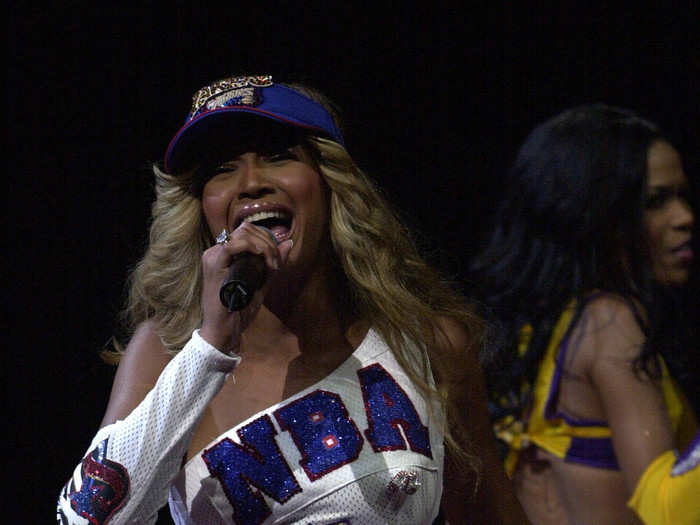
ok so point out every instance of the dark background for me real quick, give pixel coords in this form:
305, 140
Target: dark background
436, 100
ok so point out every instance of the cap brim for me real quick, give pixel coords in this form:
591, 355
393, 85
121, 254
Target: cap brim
226, 133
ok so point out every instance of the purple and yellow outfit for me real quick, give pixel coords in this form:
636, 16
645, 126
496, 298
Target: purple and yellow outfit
667, 491
586, 442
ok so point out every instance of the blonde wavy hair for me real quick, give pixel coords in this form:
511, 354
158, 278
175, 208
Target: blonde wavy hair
389, 284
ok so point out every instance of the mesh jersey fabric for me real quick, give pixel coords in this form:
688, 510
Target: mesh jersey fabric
361, 446
126, 473
575, 440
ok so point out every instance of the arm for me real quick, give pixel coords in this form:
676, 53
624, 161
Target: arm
494, 500
125, 476
130, 463
632, 402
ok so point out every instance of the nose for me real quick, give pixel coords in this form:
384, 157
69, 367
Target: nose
253, 183
683, 217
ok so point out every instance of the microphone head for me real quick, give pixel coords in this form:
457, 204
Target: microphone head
235, 296
246, 275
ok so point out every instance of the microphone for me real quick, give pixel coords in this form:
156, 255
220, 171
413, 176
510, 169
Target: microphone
246, 276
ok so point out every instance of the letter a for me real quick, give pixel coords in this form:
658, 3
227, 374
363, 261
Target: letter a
388, 408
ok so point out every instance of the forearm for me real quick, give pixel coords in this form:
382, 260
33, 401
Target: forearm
125, 475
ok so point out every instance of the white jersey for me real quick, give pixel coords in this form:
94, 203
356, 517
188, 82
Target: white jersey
359, 447
127, 470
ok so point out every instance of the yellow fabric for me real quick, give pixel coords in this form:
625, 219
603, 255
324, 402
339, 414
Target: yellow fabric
683, 420
661, 499
555, 435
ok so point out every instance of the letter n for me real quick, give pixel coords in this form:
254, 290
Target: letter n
256, 462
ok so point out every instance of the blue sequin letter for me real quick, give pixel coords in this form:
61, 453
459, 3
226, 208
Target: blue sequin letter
323, 432
256, 462
388, 407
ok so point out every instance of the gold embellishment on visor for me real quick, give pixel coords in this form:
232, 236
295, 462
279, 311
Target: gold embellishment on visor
234, 87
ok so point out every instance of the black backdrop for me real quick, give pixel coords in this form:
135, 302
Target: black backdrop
436, 100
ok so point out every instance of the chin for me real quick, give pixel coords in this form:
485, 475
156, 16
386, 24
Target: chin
674, 278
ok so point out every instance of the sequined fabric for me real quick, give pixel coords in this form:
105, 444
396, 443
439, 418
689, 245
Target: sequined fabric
357, 447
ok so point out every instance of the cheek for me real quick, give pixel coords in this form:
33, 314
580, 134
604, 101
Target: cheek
312, 194
655, 236
320, 204
655, 230
215, 209
655, 239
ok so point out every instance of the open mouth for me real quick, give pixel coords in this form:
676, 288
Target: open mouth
684, 251
279, 222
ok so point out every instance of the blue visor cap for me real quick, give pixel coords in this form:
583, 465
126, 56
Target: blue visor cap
225, 114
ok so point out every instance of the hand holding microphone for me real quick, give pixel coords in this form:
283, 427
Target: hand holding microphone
246, 275
235, 269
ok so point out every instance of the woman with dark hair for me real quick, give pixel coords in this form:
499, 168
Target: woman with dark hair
593, 235
273, 257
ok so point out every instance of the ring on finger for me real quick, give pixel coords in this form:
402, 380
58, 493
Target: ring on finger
223, 237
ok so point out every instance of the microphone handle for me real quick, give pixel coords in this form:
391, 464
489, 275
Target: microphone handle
246, 275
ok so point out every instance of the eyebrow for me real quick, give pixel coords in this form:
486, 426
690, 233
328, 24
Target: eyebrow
680, 185
665, 190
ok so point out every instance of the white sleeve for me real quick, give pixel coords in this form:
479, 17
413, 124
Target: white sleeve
126, 473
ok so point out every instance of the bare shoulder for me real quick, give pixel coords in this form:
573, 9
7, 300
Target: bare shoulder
460, 370
139, 368
632, 401
456, 332
494, 500
609, 328
460, 346
610, 309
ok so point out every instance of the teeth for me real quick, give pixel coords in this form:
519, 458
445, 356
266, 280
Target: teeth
262, 215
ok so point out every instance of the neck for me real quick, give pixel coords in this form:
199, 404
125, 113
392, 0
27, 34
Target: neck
309, 313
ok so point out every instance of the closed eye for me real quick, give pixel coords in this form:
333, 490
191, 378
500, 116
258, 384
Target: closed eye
207, 172
657, 200
662, 194
228, 167
282, 156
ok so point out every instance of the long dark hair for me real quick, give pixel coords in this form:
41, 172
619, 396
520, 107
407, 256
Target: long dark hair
571, 222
